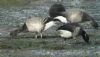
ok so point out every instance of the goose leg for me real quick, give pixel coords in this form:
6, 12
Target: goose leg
41, 35
64, 42
36, 36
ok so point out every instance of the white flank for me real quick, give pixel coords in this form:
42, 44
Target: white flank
49, 25
65, 33
62, 19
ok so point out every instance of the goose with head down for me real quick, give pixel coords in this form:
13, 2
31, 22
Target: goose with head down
71, 30
36, 25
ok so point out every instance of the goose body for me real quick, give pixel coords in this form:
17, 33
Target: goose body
36, 25
79, 16
72, 15
72, 30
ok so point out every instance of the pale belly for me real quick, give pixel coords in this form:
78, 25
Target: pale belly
34, 27
65, 33
34, 24
75, 18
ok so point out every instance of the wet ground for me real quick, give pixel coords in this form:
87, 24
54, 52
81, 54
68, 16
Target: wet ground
25, 45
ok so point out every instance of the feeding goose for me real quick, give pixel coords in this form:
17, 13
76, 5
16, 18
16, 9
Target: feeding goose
36, 25
72, 15
72, 30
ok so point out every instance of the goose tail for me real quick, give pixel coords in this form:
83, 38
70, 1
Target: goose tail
18, 30
90, 18
94, 24
85, 36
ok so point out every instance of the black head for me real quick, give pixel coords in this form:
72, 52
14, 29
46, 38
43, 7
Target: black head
56, 10
58, 7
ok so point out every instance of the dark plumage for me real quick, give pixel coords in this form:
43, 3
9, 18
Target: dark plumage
84, 35
90, 18
18, 30
72, 30
56, 9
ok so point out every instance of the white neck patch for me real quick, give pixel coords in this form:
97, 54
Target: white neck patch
62, 19
49, 25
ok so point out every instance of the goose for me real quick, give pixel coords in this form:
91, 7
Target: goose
36, 25
69, 30
72, 15
72, 30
